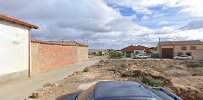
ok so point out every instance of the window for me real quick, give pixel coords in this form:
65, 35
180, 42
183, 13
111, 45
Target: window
183, 48
180, 53
193, 48
188, 53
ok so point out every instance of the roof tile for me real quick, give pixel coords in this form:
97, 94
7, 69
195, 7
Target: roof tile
17, 21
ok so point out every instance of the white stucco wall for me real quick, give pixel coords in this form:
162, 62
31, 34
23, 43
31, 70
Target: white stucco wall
13, 48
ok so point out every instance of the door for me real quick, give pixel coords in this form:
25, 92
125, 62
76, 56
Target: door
167, 53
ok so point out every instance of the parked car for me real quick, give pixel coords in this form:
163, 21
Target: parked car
183, 57
140, 57
121, 90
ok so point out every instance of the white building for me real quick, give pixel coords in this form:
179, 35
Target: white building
14, 47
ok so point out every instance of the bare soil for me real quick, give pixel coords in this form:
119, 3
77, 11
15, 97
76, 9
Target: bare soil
185, 78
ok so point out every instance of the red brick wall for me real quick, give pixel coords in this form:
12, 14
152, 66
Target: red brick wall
46, 57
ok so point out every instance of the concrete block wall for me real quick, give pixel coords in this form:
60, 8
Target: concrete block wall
45, 57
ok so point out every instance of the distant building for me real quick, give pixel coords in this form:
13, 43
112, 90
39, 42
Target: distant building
170, 49
14, 47
135, 49
153, 50
131, 50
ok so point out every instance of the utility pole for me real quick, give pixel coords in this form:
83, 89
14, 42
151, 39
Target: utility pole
160, 53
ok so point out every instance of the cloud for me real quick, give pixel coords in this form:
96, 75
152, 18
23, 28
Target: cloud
142, 6
124, 23
197, 24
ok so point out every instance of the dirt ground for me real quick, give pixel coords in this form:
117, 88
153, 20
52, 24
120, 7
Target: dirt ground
185, 78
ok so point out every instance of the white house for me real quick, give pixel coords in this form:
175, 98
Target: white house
14, 47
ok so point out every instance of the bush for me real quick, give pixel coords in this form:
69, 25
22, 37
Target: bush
151, 81
115, 54
86, 69
94, 53
128, 73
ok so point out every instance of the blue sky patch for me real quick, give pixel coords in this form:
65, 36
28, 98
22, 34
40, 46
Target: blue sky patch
124, 11
160, 17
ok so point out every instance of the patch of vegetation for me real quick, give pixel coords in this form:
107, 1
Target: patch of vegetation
86, 69
114, 69
128, 73
115, 54
193, 64
172, 65
151, 81
123, 65
94, 53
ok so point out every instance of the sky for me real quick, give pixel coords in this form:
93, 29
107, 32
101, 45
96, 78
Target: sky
110, 24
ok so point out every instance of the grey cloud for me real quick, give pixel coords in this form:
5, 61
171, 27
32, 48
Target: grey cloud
81, 20
193, 25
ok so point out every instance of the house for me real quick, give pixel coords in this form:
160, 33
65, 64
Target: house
14, 47
169, 49
135, 49
153, 50
128, 51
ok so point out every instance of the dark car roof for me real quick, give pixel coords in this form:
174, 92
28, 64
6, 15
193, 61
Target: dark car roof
119, 89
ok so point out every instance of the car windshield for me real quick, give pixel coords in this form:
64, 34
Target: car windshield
184, 56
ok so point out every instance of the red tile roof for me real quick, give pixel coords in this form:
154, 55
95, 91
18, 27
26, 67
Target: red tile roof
191, 42
17, 21
132, 48
63, 43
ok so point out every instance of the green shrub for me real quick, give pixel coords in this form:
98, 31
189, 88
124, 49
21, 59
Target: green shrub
151, 81
115, 54
94, 53
86, 69
101, 53
128, 73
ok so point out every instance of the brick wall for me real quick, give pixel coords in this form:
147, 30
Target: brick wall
45, 57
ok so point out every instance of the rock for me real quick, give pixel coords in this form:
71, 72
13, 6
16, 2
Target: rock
35, 95
49, 84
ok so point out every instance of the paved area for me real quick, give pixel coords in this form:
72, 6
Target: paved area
20, 88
